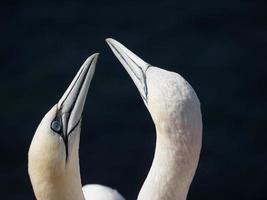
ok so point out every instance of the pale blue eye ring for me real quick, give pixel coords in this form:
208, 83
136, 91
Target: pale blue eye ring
56, 126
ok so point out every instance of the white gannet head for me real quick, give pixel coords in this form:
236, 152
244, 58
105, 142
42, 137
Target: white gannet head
167, 95
175, 110
53, 161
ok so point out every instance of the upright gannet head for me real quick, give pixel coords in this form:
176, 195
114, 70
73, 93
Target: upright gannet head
175, 110
53, 154
168, 96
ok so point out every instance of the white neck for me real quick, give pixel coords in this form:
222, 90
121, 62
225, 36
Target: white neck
51, 177
175, 161
63, 186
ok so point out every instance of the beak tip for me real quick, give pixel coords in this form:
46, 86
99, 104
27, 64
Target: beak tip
111, 42
108, 40
94, 56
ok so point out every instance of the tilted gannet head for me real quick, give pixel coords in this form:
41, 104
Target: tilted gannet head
53, 155
175, 110
167, 95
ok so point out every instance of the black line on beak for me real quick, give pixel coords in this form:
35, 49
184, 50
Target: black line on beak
140, 68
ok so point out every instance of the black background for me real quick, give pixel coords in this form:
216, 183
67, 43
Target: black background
218, 46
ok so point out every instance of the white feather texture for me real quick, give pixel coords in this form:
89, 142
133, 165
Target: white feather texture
100, 192
53, 157
175, 110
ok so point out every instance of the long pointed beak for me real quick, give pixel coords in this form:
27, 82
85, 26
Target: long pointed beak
134, 65
72, 102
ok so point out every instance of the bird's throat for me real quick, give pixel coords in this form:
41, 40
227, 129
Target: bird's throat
173, 168
64, 186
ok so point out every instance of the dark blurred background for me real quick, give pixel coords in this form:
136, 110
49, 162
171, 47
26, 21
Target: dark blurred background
218, 46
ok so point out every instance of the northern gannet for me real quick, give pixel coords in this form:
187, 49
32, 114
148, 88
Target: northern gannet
53, 157
175, 110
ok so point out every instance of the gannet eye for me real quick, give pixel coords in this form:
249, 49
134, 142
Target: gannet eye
56, 126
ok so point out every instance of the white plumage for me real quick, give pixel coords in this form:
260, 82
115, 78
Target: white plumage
100, 192
54, 152
175, 109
